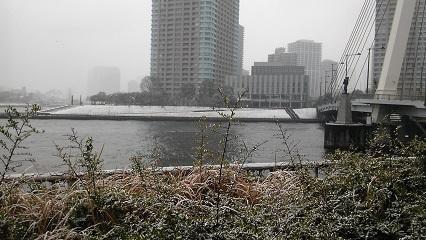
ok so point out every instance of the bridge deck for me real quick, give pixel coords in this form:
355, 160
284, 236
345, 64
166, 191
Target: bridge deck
406, 103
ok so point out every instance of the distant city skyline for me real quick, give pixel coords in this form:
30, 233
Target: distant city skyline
103, 79
48, 44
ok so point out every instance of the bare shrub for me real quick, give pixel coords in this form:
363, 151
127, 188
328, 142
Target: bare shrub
12, 136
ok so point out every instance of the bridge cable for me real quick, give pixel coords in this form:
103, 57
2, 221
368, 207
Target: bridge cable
352, 43
360, 45
352, 36
372, 44
362, 49
356, 45
380, 23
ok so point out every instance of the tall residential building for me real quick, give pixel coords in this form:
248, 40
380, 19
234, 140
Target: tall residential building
309, 55
193, 41
411, 80
240, 56
283, 57
103, 79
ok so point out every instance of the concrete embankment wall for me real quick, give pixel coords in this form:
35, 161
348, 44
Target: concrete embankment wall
160, 118
165, 114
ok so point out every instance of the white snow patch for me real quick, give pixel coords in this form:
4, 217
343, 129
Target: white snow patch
306, 113
173, 111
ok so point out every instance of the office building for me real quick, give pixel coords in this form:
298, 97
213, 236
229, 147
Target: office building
283, 57
272, 85
193, 41
412, 77
309, 55
103, 79
245, 72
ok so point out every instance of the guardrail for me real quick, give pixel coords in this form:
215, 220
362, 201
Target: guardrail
386, 97
390, 97
328, 107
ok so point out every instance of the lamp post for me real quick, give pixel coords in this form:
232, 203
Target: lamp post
325, 82
346, 81
333, 76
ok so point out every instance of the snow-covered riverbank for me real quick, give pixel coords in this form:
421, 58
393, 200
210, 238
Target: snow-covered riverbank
178, 112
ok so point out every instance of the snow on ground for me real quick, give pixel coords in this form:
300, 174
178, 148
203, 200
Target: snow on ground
306, 113
173, 111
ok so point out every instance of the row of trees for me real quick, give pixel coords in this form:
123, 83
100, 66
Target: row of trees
207, 95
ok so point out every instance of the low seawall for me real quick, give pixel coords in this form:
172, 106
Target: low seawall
173, 113
162, 118
259, 168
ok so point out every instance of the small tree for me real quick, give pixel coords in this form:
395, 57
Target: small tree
101, 97
187, 93
206, 94
83, 162
145, 84
12, 135
229, 117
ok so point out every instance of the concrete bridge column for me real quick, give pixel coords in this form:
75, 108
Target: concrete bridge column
395, 52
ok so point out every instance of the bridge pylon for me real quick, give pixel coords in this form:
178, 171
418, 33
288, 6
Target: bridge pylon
394, 56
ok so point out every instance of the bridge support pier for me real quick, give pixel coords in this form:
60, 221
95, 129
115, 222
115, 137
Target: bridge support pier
344, 114
344, 133
378, 113
345, 136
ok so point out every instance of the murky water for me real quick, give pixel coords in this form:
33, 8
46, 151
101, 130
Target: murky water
177, 141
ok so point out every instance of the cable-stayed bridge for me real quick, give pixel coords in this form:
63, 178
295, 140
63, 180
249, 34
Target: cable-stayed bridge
391, 33
395, 32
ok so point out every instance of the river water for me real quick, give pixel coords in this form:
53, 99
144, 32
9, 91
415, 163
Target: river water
176, 141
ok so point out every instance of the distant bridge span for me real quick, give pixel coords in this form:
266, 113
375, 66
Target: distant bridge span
387, 100
412, 108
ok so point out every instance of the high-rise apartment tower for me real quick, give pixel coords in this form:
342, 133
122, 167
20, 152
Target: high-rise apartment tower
240, 53
193, 41
413, 74
309, 55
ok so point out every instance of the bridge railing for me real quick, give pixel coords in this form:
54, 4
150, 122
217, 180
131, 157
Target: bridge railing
332, 106
399, 97
389, 97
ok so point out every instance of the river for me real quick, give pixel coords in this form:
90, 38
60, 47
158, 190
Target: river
177, 141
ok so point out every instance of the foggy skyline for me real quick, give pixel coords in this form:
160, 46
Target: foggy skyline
51, 44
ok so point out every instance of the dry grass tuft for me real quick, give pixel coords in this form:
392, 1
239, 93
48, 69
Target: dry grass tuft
52, 212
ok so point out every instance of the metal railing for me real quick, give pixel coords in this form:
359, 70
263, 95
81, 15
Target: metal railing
389, 97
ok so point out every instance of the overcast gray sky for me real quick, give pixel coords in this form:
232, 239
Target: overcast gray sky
51, 44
